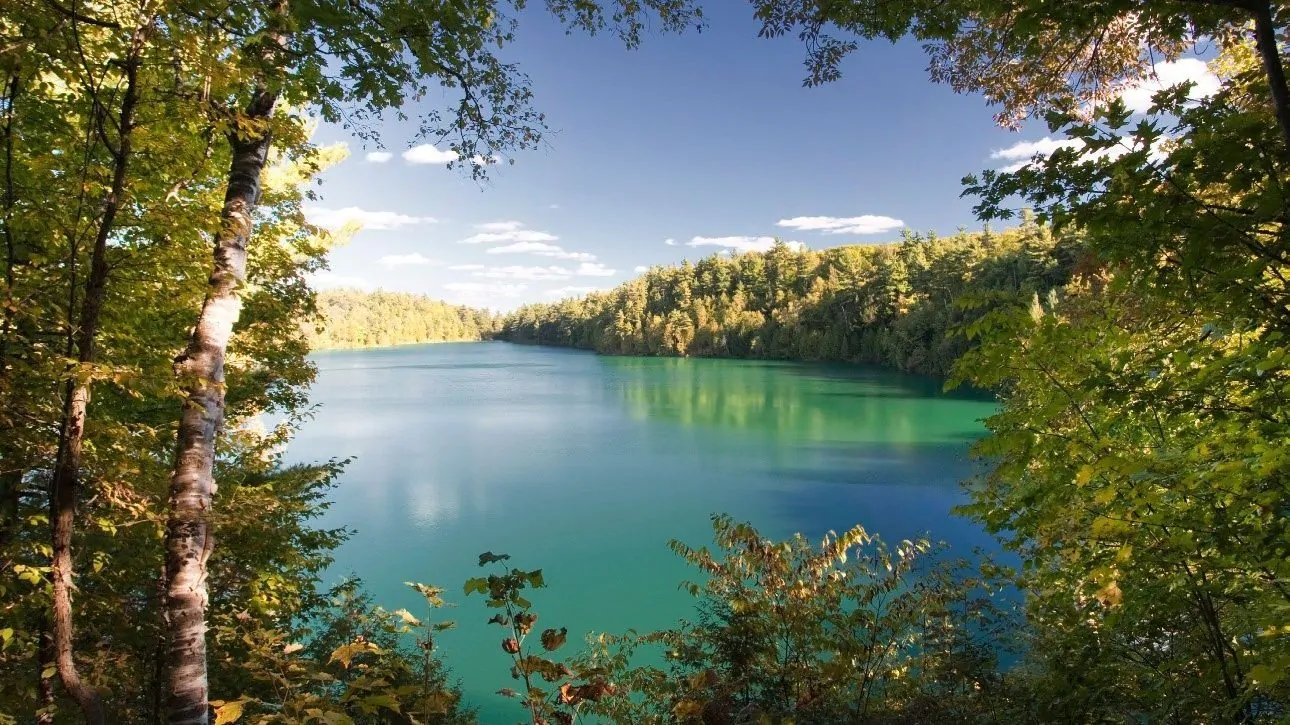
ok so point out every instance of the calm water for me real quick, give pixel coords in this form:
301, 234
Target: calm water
585, 466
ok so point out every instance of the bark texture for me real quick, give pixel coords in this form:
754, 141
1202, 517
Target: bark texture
192, 486
66, 483
1265, 36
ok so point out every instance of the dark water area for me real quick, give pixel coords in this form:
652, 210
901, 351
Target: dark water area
585, 466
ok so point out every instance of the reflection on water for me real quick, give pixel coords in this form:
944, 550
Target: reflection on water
797, 402
586, 466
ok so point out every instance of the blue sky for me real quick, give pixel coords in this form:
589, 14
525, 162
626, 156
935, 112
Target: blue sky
686, 146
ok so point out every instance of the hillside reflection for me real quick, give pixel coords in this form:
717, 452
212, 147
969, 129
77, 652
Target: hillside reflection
809, 403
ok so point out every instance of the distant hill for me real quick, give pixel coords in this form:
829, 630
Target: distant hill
354, 318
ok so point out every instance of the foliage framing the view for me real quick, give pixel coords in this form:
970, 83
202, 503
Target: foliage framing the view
1140, 451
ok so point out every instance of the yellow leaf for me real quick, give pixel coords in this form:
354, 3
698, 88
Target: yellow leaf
229, 712
1084, 475
688, 708
1110, 594
408, 618
345, 653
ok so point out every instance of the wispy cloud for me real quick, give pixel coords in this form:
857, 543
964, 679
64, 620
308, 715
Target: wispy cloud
373, 220
514, 235
866, 224
484, 292
505, 226
524, 273
379, 157
553, 206
538, 273
1168, 74
542, 249
572, 291
465, 267
742, 244
670, 242
640, 268
1024, 152
407, 260
428, 154
329, 280
594, 269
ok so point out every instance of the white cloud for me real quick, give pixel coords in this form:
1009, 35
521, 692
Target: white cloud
374, 220
640, 268
594, 269
866, 224
536, 273
379, 157
405, 260
465, 267
1024, 152
326, 280
514, 235
524, 273
508, 226
485, 160
553, 206
670, 242
524, 247
742, 244
1168, 74
428, 154
571, 291
542, 250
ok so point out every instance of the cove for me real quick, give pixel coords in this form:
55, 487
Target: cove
585, 466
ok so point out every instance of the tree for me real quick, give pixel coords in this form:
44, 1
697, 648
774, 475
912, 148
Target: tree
386, 53
1140, 440
1031, 57
849, 630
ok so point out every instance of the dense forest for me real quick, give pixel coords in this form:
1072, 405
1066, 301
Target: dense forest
353, 318
154, 302
889, 304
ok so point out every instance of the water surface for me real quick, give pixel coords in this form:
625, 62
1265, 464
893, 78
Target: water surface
585, 466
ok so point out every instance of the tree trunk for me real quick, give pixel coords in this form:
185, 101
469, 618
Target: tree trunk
1265, 36
44, 685
201, 371
11, 473
65, 486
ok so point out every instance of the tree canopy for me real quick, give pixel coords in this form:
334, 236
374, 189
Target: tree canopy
155, 312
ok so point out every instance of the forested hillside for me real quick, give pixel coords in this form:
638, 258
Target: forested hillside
889, 304
353, 318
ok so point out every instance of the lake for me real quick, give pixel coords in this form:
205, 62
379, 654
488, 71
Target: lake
585, 466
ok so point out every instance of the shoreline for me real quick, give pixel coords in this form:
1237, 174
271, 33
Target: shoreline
314, 350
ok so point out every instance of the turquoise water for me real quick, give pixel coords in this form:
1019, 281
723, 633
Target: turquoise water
585, 466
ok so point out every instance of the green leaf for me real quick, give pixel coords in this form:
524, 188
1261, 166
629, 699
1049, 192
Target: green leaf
489, 557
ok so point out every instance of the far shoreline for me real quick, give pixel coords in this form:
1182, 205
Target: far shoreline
344, 348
